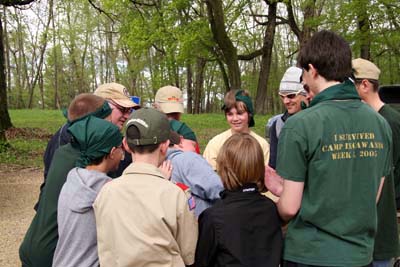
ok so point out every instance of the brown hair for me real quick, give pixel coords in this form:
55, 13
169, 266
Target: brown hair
241, 161
329, 53
84, 104
230, 102
375, 83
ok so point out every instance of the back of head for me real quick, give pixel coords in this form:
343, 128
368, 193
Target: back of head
329, 53
182, 129
365, 69
169, 100
84, 104
94, 138
291, 83
239, 99
241, 161
117, 93
146, 128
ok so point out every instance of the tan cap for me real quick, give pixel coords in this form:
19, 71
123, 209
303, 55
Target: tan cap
117, 93
169, 99
364, 69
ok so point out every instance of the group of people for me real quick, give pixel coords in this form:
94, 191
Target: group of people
126, 185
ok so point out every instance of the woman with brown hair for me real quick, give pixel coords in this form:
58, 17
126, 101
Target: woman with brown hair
240, 117
243, 228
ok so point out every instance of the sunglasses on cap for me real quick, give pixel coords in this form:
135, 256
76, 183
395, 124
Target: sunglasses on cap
290, 95
121, 108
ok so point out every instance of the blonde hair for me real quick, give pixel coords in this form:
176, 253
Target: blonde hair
241, 161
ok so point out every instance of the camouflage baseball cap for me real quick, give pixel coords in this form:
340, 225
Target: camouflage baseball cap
153, 127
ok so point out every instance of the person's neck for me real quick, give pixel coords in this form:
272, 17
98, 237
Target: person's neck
149, 158
247, 130
102, 167
374, 101
326, 84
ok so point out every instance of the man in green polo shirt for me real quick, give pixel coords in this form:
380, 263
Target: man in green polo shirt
333, 157
366, 80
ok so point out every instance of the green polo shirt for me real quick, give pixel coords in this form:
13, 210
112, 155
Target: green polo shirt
39, 244
387, 239
339, 148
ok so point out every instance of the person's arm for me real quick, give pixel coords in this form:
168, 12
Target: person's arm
273, 146
207, 242
210, 154
199, 176
273, 182
187, 230
290, 199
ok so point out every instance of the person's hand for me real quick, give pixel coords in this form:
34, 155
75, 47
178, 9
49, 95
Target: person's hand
166, 169
273, 182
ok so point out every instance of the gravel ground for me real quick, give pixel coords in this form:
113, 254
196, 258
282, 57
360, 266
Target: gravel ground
19, 190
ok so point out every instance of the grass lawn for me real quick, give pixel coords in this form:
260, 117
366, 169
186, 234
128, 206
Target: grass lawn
33, 129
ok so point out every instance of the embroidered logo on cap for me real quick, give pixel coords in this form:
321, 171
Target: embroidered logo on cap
125, 92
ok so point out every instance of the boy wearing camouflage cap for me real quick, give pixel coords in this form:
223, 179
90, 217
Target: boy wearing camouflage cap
142, 218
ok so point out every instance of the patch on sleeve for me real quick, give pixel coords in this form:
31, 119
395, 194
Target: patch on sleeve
191, 203
188, 193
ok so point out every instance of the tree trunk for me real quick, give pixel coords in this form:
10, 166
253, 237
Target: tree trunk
56, 87
228, 50
39, 66
268, 43
7, 50
364, 28
189, 82
199, 82
5, 121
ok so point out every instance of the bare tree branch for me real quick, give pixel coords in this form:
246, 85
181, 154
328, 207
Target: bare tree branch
100, 10
15, 2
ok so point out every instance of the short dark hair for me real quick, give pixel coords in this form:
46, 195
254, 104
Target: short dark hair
133, 132
99, 160
375, 83
329, 53
84, 104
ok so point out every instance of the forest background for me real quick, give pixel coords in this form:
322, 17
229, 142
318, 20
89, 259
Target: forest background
54, 50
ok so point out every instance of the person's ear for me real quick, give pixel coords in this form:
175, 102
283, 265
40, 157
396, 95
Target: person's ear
112, 152
126, 147
313, 70
365, 86
164, 147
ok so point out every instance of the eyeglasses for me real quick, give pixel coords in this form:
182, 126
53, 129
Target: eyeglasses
290, 96
121, 108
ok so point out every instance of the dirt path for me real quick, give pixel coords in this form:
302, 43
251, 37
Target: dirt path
19, 191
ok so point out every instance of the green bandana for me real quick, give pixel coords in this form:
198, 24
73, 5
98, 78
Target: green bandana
343, 91
182, 129
247, 101
94, 138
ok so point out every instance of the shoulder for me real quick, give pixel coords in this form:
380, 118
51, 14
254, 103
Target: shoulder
391, 115
222, 136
